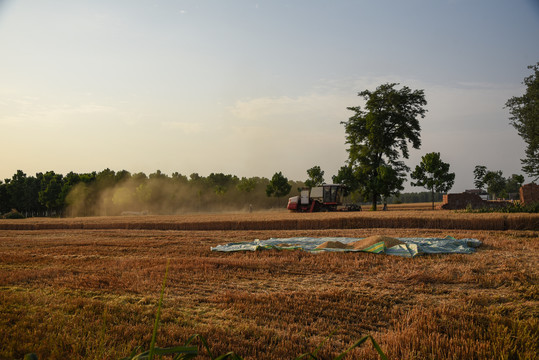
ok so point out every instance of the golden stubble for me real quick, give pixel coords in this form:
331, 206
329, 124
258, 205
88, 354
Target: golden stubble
57, 283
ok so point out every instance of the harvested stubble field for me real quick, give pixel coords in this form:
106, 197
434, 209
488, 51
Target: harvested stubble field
89, 288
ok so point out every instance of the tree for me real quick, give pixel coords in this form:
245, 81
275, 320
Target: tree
16, 189
4, 199
33, 186
221, 182
514, 183
122, 175
524, 117
179, 178
345, 176
432, 173
479, 174
495, 183
50, 194
278, 186
379, 135
158, 175
139, 178
316, 177
247, 184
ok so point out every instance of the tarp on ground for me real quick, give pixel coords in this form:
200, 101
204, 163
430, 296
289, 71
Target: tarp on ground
409, 248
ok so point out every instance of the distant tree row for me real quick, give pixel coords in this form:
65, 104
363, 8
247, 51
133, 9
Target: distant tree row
495, 184
415, 197
111, 193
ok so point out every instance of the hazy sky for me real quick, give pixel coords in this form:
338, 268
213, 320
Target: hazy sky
253, 87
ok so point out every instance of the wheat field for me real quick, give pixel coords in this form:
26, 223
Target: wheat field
282, 220
87, 288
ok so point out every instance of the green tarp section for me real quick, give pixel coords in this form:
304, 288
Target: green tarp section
411, 246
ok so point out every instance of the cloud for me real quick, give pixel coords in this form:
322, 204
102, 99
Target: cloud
185, 127
29, 110
301, 110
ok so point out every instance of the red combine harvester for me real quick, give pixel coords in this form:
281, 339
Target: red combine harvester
320, 198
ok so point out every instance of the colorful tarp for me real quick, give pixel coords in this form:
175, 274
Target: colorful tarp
411, 246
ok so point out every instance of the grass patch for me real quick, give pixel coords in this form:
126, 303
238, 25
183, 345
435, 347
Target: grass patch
516, 207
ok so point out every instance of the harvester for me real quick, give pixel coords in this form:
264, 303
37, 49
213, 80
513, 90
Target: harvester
327, 197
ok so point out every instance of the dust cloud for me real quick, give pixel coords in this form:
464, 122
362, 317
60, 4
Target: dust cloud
165, 195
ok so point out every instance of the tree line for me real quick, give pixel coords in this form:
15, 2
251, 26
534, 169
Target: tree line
110, 193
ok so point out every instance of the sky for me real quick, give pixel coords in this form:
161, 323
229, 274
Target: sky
251, 88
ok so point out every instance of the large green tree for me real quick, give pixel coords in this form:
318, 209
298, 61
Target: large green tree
316, 177
432, 173
524, 112
378, 137
278, 186
50, 194
345, 176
